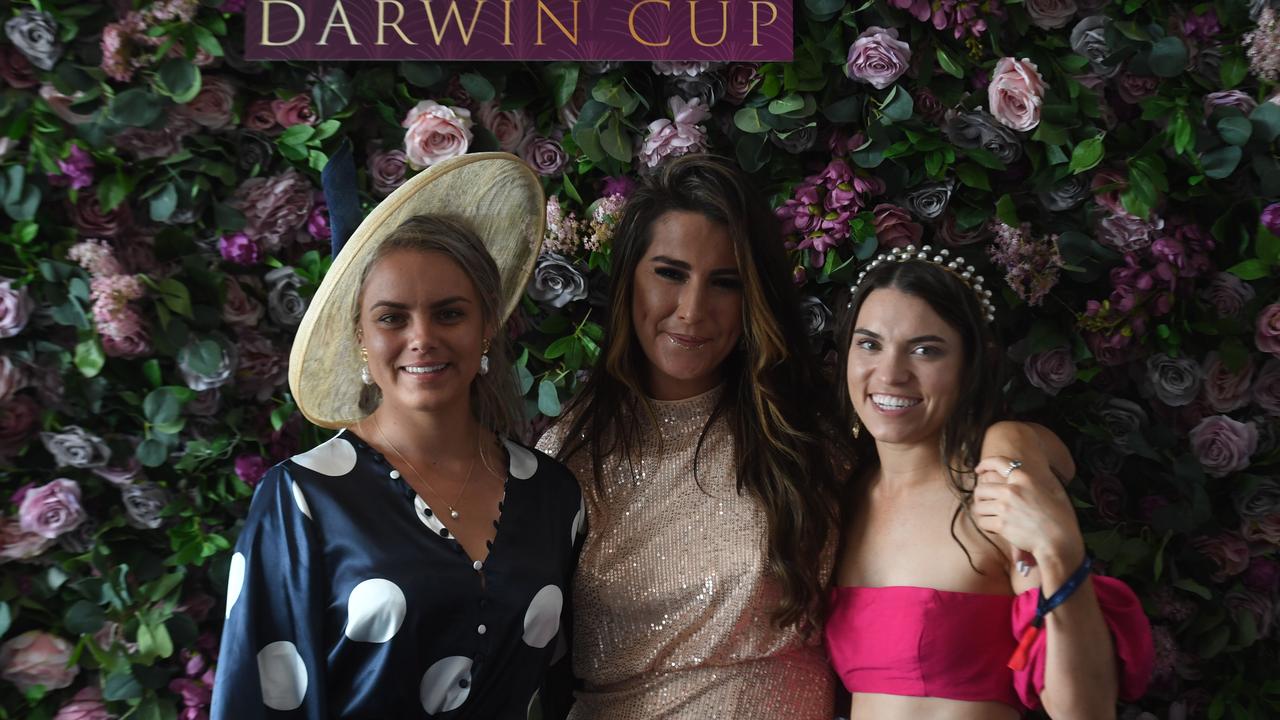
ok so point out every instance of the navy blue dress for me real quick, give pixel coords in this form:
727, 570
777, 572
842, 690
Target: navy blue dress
347, 597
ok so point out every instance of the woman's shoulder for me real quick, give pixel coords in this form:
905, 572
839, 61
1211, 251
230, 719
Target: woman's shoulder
528, 462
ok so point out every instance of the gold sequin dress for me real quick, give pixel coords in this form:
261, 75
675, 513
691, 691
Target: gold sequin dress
672, 599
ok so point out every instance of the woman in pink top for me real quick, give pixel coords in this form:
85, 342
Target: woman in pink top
964, 590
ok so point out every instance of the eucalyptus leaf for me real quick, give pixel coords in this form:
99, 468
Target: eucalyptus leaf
1222, 162
548, 399
89, 358
477, 86
1235, 130
135, 107
1168, 57
753, 120
178, 78
163, 203
421, 74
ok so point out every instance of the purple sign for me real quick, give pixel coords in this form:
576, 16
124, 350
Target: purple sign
711, 30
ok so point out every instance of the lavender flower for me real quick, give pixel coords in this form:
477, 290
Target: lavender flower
1031, 265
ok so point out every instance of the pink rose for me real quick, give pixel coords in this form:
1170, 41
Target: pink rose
1050, 14
1267, 335
739, 79
510, 127
262, 368
1229, 99
16, 69
12, 378
51, 510
1266, 530
134, 343
144, 144
678, 136
92, 220
878, 57
214, 106
1266, 388
386, 171
435, 132
260, 117
84, 705
1108, 497
1228, 551
952, 236
15, 308
294, 111
1223, 445
1016, 93
1227, 294
544, 155
238, 308
19, 417
1224, 389
894, 226
37, 658
275, 207
1128, 233
1133, 89
1051, 370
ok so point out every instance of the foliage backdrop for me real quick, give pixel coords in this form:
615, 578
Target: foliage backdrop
1109, 167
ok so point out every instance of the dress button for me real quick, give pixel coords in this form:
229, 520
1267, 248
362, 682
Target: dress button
444, 532
477, 565
395, 474
482, 629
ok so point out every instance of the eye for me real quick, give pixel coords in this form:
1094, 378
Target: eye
868, 345
927, 350
729, 283
450, 315
388, 319
669, 273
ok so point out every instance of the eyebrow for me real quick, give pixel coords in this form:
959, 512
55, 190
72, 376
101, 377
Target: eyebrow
402, 306
918, 338
664, 260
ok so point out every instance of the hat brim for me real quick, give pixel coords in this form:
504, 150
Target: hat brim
496, 194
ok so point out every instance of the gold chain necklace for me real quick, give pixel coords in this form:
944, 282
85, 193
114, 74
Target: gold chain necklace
467, 481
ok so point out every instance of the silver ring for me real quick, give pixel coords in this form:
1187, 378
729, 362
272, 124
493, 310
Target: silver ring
1013, 465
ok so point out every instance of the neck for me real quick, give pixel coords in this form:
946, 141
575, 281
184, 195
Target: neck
666, 388
431, 436
908, 465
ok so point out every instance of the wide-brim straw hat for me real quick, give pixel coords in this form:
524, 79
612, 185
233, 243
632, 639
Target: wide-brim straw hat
495, 194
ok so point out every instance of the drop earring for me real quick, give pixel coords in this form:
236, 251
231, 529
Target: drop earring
484, 357
856, 427
365, 376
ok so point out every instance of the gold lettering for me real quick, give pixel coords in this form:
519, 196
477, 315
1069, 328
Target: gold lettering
755, 19
693, 23
266, 22
506, 22
631, 22
456, 15
345, 25
394, 24
543, 9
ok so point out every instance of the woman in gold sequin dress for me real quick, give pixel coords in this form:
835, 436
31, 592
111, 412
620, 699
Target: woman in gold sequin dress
708, 468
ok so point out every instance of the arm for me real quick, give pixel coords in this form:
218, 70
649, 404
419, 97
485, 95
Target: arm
1033, 514
1035, 445
272, 653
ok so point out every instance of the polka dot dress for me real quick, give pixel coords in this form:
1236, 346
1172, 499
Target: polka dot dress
347, 597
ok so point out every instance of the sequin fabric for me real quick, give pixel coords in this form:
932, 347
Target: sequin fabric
672, 596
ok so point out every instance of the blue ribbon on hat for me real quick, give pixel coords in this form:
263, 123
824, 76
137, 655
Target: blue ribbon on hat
342, 195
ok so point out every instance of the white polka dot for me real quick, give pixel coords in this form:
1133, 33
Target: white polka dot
523, 462
576, 529
375, 610
427, 515
283, 676
446, 685
300, 500
542, 619
334, 458
235, 581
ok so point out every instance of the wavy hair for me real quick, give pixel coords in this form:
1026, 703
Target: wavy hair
493, 396
981, 401
774, 397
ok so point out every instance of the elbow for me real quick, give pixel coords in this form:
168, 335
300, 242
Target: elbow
1096, 704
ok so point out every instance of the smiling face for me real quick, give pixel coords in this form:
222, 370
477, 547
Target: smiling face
422, 324
686, 304
905, 365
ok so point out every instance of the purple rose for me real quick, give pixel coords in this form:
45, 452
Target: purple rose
1050, 14
544, 155
76, 171
894, 226
1122, 419
19, 418
263, 367
85, 705
318, 223
52, 509
1228, 551
275, 208
1257, 605
386, 171
1051, 370
739, 79
1266, 388
621, 185
1267, 335
238, 307
1126, 232
15, 308
239, 249
75, 447
1227, 294
510, 127
1176, 381
677, 136
92, 220
1225, 389
1263, 575
250, 468
1133, 89
878, 57
1108, 497
1271, 218
1222, 445
1229, 99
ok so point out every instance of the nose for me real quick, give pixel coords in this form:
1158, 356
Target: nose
893, 368
692, 303
422, 335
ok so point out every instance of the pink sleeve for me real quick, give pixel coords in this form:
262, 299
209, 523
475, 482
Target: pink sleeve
1130, 632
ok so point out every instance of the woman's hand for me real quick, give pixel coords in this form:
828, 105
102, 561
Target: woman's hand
1029, 510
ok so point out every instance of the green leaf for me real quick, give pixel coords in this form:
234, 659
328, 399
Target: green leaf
421, 74
560, 347
1249, 270
1087, 154
175, 296
477, 86
949, 65
89, 357
179, 79
563, 79
1007, 211
296, 135
548, 399
823, 9
135, 107
1266, 121
163, 203
615, 94
898, 106
6, 618
1267, 246
753, 120
84, 618
152, 453
1222, 162
785, 104
161, 406
845, 110
524, 378
1168, 57
332, 93
1235, 130
1233, 70
121, 685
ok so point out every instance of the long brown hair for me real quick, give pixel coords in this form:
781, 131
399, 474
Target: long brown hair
774, 396
981, 383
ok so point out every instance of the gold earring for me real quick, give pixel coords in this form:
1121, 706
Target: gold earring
365, 375
484, 357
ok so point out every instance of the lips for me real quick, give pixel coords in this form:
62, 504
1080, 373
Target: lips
424, 369
687, 342
893, 403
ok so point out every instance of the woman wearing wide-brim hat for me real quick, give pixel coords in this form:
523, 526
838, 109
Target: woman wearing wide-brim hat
416, 564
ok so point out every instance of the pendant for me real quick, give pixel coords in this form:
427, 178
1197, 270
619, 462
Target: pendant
453, 513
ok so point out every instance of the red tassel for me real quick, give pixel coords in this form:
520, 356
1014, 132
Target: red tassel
1019, 659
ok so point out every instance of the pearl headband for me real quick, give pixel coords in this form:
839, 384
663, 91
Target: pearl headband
955, 266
